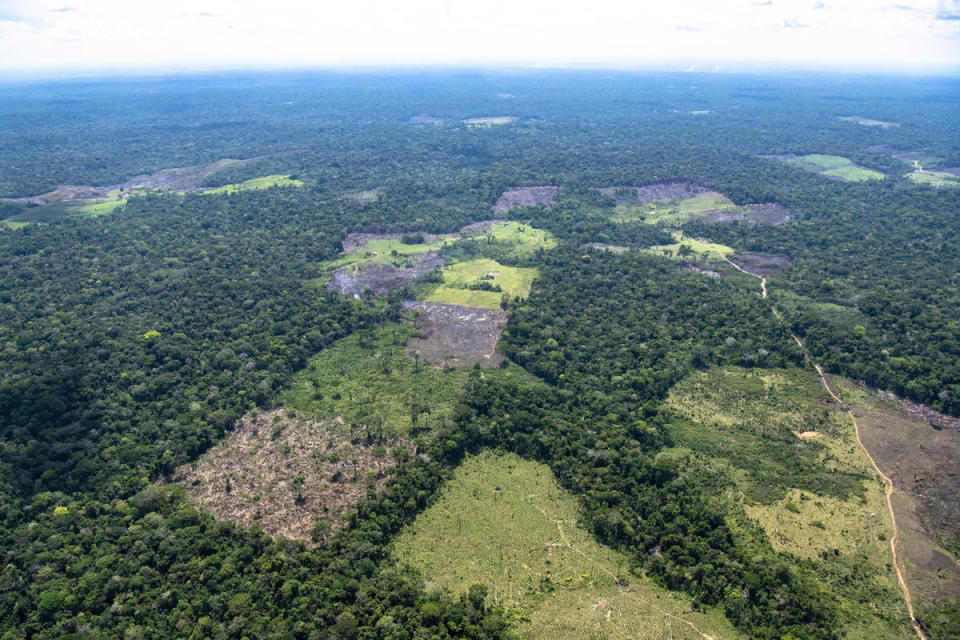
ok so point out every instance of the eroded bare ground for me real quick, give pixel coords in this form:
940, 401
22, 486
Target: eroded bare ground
252, 476
525, 197
380, 279
455, 335
651, 192
923, 462
761, 264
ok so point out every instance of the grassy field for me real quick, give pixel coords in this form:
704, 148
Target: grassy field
816, 498
380, 250
504, 522
513, 281
819, 162
523, 238
263, 182
934, 178
675, 211
366, 379
852, 173
693, 247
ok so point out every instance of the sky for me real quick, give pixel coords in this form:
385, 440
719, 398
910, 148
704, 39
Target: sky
82, 36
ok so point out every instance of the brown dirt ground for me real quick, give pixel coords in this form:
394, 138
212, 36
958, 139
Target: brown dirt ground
261, 458
651, 192
353, 279
468, 334
923, 462
525, 197
761, 264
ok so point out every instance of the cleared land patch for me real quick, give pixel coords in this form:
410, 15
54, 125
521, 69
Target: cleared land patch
368, 380
920, 453
835, 167
690, 247
455, 335
487, 122
658, 191
868, 122
482, 283
673, 203
505, 523
934, 178
378, 278
284, 474
365, 197
525, 197
817, 499
263, 182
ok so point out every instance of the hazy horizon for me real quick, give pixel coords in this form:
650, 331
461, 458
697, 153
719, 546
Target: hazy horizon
104, 37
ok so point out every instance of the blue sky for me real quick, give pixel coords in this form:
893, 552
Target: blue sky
705, 35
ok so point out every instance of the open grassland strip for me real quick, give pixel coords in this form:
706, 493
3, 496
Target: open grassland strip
887, 482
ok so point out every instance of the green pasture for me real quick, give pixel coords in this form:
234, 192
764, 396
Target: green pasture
263, 182
459, 277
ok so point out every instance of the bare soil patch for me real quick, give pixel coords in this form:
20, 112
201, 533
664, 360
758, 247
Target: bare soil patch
64, 192
251, 478
423, 120
923, 462
477, 228
356, 279
649, 193
761, 264
182, 178
803, 435
525, 197
768, 213
456, 335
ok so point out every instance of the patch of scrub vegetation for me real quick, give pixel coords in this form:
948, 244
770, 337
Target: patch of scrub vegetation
520, 237
934, 178
676, 211
685, 247
290, 476
366, 379
386, 248
263, 182
836, 167
817, 499
64, 209
504, 522
482, 283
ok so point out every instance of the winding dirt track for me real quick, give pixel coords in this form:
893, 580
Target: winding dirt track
888, 484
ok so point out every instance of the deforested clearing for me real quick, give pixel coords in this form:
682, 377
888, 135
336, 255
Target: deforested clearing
289, 476
455, 335
526, 197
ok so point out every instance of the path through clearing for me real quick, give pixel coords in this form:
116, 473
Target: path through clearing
888, 484
624, 591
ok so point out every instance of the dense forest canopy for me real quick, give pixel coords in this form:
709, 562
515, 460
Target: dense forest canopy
132, 340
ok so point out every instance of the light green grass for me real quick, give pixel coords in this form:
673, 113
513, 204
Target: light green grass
816, 499
818, 162
934, 178
505, 523
676, 211
524, 238
380, 250
263, 182
513, 281
14, 224
489, 121
854, 174
696, 248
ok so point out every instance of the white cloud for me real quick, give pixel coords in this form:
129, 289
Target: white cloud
84, 34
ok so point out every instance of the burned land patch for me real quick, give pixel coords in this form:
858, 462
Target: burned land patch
355, 279
290, 477
525, 197
357, 241
768, 213
923, 462
762, 264
455, 335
